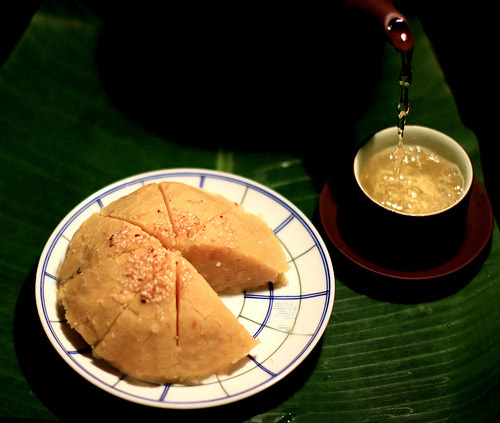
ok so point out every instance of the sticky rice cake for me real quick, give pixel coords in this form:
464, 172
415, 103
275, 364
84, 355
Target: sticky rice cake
101, 237
145, 208
95, 298
211, 340
142, 342
234, 250
209, 238
190, 208
151, 315
237, 251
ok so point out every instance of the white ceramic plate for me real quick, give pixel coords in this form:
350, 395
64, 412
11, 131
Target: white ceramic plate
288, 321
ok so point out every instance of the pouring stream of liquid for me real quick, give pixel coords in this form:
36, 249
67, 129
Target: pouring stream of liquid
405, 79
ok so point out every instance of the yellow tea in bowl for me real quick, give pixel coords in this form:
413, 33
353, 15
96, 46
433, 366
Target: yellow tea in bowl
412, 179
427, 174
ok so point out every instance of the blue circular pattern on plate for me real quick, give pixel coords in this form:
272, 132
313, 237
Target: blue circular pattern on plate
289, 320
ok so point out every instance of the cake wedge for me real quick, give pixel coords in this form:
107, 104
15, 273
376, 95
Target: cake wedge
145, 208
99, 238
211, 339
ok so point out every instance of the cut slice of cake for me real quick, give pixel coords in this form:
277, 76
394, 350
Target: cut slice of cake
101, 237
142, 342
190, 208
211, 339
94, 299
237, 251
145, 208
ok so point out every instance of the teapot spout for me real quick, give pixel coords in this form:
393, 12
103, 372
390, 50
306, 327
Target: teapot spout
395, 24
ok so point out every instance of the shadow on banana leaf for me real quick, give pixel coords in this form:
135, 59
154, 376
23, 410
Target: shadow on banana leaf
63, 391
245, 78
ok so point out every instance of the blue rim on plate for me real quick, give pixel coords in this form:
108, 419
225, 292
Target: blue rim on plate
289, 321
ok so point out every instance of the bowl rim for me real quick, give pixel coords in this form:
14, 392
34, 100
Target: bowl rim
449, 141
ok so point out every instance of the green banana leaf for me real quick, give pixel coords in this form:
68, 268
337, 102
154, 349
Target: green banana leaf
64, 136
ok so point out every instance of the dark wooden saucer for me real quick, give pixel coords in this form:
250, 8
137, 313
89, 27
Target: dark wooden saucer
478, 229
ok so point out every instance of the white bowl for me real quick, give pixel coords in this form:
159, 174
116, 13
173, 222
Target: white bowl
431, 139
